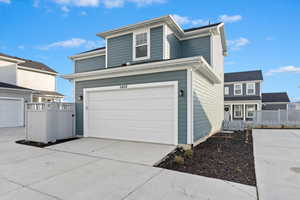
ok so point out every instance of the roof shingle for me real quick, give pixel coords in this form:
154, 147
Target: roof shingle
275, 97
11, 86
243, 76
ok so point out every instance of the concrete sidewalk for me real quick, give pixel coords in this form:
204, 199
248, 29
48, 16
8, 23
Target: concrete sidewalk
277, 163
70, 173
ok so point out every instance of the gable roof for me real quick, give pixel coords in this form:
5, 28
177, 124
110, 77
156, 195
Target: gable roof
92, 50
243, 76
201, 27
275, 97
11, 86
28, 63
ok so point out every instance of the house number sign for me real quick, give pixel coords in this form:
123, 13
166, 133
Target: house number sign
123, 86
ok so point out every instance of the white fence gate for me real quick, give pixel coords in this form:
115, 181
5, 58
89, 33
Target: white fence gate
48, 122
277, 118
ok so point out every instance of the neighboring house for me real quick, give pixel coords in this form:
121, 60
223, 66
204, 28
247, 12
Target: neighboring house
243, 96
153, 82
36, 76
22, 81
275, 101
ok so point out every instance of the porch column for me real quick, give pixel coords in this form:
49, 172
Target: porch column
244, 114
231, 112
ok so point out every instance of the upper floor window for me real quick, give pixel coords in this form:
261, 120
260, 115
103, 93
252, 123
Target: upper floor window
141, 45
238, 89
250, 88
226, 90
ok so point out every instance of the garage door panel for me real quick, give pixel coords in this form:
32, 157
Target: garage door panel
139, 114
11, 112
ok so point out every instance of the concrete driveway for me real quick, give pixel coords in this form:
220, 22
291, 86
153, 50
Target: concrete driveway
100, 169
277, 163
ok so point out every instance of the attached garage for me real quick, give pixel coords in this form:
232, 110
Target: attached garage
12, 99
11, 112
137, 112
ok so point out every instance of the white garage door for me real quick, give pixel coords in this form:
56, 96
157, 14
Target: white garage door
143, 112
11, 112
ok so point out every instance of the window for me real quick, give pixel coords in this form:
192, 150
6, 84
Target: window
250, 109
238, 89
141, 47
226, 90
237, 111
250, 88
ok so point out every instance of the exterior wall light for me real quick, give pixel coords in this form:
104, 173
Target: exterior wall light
80, 98
181, 93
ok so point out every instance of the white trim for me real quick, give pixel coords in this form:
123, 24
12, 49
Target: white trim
137, 32
165, 46
247, 87
276, 102
234, 86
198, 63
106, 55
190, 128
246, 105
91, 54
226, 90
36, 70
133, 86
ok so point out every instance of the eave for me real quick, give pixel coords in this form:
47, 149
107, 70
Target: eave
198, 64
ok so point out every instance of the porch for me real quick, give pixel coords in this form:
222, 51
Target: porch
240, 110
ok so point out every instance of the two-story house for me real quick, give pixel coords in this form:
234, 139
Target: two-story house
243, 96
23, 80
152, 82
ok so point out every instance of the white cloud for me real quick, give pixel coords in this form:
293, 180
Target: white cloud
65, 9
73, 43
79, 3
21, 47
284, 69
141, 3
238, 43
4, 1
183, 20
113, 3
230, 19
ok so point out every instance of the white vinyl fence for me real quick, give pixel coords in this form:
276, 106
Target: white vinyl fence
277, 118
48, 122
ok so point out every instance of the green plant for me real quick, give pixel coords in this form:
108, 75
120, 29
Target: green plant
188, 153
179, 160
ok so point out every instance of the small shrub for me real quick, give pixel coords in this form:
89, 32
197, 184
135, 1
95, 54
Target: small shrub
179, 160
188, 153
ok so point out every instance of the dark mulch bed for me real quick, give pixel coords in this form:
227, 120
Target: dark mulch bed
227, 156
42, 145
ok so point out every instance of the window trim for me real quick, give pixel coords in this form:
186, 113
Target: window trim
134, 58
240, 84
247, 110
247, 87
226, 90
234, 113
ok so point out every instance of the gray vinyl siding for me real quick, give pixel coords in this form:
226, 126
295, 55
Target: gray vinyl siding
175, 46
120, 49
231, 90
179, 76
196, 47
90, 64
26, 95
208, 107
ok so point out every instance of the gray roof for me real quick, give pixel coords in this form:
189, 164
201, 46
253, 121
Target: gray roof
100, 48
48, 93
11, 86
241, 98
243, 76
31, 64
275, 97
201, 27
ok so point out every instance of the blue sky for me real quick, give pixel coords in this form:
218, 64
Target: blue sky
261, 34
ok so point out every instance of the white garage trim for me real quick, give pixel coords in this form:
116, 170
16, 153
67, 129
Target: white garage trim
133, 86
190, 114
22, 109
